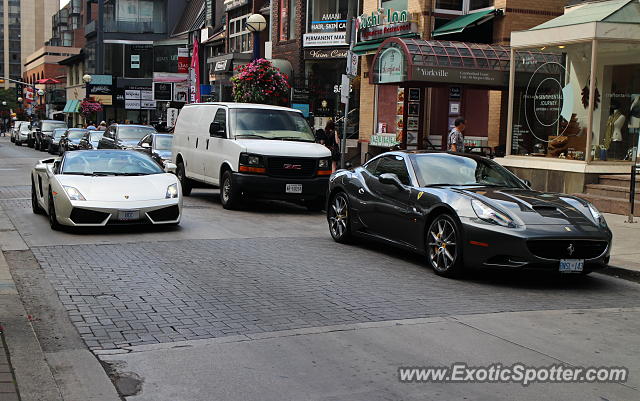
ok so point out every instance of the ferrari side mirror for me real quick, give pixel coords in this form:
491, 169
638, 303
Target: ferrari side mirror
390, 179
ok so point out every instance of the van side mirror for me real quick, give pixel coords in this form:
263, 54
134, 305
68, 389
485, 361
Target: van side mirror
217, 130
526, 182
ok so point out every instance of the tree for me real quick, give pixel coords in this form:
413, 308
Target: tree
9, 96
260, 82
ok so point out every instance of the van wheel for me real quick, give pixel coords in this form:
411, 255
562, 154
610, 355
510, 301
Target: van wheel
185, 183
229, 194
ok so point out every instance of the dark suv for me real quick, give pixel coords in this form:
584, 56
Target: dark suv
42, 132
124, 136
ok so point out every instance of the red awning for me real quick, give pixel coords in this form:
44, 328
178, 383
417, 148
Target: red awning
48, 81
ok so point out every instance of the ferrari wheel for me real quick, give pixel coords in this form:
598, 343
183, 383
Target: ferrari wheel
34, 200
184, 181
53, 218
443, 250
338, 216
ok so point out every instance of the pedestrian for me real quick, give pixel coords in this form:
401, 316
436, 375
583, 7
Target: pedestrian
455, 142
321, 137
91, 126
102, 126
332, 142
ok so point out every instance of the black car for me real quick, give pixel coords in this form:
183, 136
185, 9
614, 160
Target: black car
124, 136
158, 146
465, 211
90, 139
71, 140
54, 143
41, 133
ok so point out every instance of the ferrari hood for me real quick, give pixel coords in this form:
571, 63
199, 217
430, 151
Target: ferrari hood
273, 147
120, 188
533, 207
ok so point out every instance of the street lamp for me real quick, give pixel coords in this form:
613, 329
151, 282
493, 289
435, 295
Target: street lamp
40, 93
87, 80
256, 23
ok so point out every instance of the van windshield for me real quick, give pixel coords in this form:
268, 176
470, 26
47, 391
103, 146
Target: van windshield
270, 124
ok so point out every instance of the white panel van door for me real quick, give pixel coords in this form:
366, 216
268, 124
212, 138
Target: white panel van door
199, 140
218, 148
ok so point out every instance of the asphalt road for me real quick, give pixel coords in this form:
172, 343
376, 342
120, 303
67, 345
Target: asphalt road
262, 304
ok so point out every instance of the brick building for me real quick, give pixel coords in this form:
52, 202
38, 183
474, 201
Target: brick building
462, 44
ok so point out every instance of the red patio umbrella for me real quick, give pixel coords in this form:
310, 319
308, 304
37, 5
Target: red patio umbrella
48, 81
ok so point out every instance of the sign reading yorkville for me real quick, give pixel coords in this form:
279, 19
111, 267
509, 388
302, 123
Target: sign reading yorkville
459, 76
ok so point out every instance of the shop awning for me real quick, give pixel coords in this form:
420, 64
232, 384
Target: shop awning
370, 46
71, 106
459, 24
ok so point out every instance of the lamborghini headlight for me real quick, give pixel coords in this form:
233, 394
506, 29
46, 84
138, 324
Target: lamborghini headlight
172, 191
489, 214
73, 193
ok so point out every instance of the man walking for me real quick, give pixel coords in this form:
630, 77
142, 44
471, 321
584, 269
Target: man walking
455, 142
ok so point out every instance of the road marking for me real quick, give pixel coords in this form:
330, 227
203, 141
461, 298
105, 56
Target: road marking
7, 169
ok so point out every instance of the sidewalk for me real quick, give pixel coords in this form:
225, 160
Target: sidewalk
8, 389
625, 253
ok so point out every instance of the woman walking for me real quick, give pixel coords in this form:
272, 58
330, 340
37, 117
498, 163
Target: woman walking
332, 142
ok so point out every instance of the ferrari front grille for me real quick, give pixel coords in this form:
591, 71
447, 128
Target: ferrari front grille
567, 249
86, 216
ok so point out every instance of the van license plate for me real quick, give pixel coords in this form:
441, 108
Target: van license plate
571, 265
294, 188
127, 215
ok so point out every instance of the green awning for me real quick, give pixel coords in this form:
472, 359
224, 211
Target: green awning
459, 24
71, 106
370, 46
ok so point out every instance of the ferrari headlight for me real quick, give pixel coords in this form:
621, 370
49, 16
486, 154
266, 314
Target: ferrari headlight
73, 193
487, 213
597, 216
172, 191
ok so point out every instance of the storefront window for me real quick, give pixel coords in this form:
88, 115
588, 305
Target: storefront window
551, 103
113, 55
463, 6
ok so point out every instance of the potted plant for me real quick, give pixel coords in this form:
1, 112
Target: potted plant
260, 82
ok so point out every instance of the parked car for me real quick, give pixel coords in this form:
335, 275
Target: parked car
71, 140
16, 129
97, 188
54, 143
250, 150
42, 130
124, 136
22, 134
158, 146
465, 211
90, 139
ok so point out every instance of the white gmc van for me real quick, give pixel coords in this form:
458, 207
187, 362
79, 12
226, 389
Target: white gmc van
250, 150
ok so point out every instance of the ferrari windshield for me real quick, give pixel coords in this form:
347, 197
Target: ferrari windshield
270, 124
130, 133
109, 162
435, 169
94, 136
163, 142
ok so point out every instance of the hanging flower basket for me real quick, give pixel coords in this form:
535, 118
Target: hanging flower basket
88, 108
260, 82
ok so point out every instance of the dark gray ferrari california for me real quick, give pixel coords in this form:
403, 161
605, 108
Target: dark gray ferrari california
465, 211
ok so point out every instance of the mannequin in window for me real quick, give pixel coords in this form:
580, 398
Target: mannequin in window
613, 140
634, 112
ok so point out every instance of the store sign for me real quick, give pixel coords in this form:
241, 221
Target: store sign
324, 39
300, 95
233, 4
163, 91
183, 60
386, 31
323, 54
132, 104
329, 23
391, 66
147, 104
460, 76
180, 92
131, 94
382, 17
383, 140
172, 117
221, 66
135, 61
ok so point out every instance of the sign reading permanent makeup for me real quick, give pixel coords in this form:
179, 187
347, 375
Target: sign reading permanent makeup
324, 39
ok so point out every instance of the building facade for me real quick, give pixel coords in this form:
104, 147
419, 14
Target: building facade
461, 47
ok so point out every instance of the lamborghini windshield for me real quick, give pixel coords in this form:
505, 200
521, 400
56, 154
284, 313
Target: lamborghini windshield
270, 124
109, 162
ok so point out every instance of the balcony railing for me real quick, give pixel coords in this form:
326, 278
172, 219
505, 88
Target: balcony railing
135, 26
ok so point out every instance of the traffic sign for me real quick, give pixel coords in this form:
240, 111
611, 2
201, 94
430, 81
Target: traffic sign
352, 64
